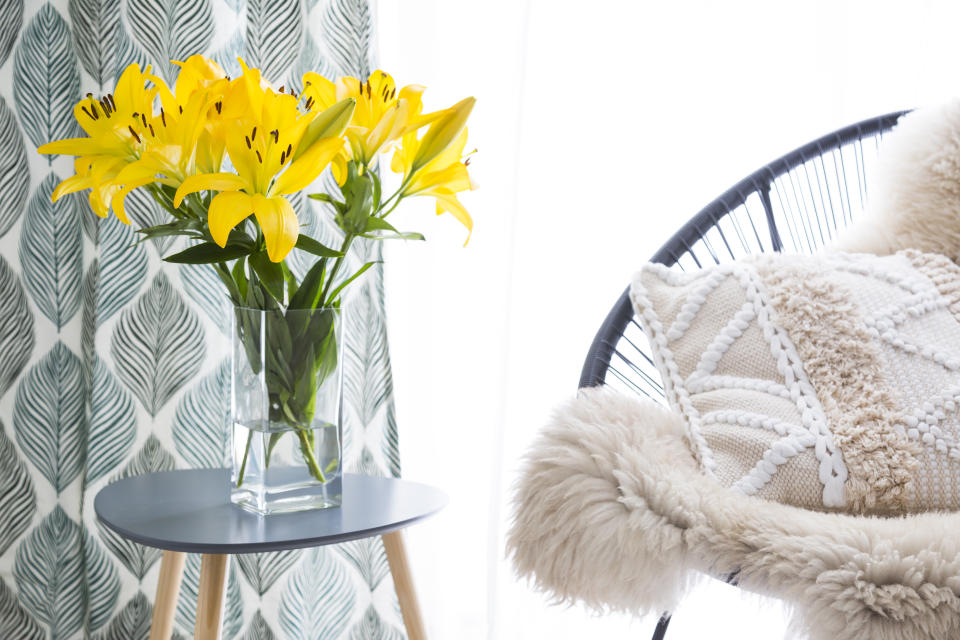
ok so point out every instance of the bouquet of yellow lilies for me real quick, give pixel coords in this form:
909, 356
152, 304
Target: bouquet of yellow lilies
221, 155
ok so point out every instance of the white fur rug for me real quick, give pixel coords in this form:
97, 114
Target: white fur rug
612, 511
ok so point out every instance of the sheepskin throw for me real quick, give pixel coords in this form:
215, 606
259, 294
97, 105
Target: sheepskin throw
824, 382
612, 510
914, 189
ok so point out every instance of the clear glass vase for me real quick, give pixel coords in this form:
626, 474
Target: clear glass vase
287, 386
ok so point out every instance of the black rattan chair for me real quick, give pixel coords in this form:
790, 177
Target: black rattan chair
797, 203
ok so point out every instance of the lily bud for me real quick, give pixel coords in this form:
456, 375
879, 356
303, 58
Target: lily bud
443, 132
329, 123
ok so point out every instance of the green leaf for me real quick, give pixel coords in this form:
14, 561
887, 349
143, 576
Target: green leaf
358, 191
176, 228
207, 253
270, 274
310, 245
379, 224
323, 197
356, 275
308, 295
240, 276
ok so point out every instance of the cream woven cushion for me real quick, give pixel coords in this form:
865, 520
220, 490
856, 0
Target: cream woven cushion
828, 382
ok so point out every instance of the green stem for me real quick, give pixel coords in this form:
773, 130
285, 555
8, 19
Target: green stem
246, 454
308, 456
347, 240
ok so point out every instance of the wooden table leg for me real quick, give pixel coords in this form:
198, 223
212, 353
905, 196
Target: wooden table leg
210, 595
168, 587
403, 583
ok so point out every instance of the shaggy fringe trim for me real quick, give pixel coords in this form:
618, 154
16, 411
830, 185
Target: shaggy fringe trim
844, 366
944, 274
612, 511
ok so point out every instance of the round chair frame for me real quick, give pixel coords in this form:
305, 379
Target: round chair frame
797, 203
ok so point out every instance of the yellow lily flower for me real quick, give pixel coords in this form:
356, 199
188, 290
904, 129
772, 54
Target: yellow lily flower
198, 73
381, 117
442, 177
261, 146
114, 139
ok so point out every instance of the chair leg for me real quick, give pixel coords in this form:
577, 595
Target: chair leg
168, 587
403, 583
661, 631
210, 592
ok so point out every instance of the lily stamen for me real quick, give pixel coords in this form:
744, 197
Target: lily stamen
247, 138
253, 134
259, 159
134, 134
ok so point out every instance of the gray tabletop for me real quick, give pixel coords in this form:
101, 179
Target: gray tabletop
190, 510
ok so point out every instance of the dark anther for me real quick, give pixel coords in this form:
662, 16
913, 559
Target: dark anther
163, 117
393, 92
281, 88
309, 103
152, 132
143, 118
87, 112
248, 142
218, 105
283, 156
93, 109
113, 103
276, 136
134, 133
253, 134
259, 159
181, 110
289, 149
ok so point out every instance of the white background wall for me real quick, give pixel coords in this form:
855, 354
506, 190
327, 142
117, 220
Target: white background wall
601, 127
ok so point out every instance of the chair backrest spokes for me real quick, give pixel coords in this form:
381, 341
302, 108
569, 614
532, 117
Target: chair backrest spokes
798, 203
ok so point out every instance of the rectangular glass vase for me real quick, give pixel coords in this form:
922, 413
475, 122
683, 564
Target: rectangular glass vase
287, 390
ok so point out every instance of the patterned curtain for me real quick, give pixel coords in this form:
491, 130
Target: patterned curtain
112, 362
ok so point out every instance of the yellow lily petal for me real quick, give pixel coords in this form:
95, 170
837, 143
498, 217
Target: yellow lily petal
209, 182
279, 223
70, 147
227, 210
319, 89
71, 185
118, 199
339, 168
307, 167
448, 202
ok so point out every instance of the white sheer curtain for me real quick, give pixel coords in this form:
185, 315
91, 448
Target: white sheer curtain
601, 127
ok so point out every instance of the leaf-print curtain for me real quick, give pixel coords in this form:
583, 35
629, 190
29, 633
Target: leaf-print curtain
112, 362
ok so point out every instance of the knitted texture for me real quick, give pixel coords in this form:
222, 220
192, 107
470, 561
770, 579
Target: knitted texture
828, 382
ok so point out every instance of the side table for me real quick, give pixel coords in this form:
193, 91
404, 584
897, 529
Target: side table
189, 511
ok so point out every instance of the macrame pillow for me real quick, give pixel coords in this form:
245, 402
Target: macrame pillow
828, 382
